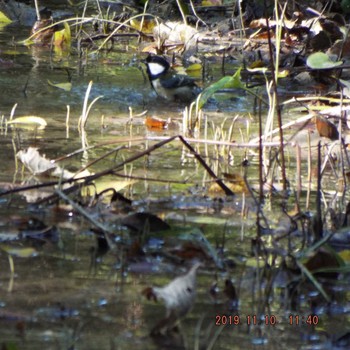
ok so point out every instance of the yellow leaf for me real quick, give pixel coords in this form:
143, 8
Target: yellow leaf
234, 182
29, 120
257, 64
194, 67
345, 255
211, 3
63, 86
26, 252
283, 73
63, 37
147, 25
4, 18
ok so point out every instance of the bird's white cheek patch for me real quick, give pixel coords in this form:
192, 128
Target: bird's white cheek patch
155, 68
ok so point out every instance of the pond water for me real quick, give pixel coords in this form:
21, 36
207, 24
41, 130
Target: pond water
65, 292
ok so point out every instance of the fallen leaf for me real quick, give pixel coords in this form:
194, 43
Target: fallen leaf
234, 182
178, 297
326, 128
156, 123
34, 162
64, 86
320, 60
29, 120
194, 67
146, 26
26, 252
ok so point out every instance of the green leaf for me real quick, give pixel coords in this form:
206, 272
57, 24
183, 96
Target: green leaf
320, 60
4, 18
224, 83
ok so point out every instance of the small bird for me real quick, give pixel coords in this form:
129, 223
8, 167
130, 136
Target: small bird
168, 84
178, 297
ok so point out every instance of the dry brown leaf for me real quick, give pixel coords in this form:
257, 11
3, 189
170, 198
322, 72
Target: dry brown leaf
156, 123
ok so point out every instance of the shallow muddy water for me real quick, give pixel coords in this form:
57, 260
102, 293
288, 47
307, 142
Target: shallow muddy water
64, 292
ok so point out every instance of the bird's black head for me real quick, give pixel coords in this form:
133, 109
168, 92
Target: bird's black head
156, 66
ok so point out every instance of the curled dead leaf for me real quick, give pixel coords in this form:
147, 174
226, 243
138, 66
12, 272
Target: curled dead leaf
326, 128
178, 297
34, 162
156, 123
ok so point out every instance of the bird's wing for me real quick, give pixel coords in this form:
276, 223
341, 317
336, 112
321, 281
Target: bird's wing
177, 81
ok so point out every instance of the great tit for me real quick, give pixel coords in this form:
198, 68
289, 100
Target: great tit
168, 84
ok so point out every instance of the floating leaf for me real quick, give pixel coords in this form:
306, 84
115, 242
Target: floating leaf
26, 252
63, 86
4, 18
320, 60
29, 120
